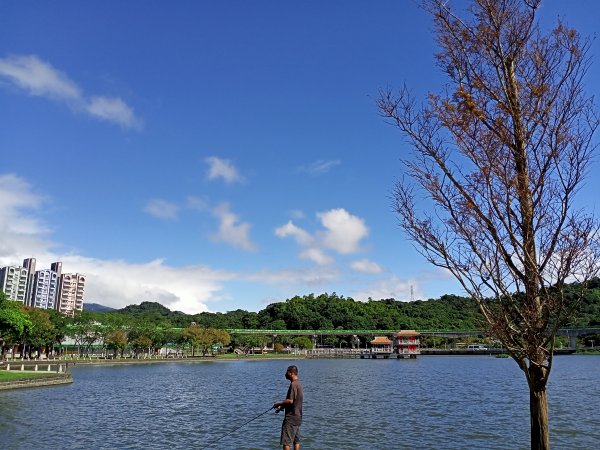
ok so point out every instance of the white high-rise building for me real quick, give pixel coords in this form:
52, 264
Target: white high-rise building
29, 264
45, 289
70, 293
13, 281
48, 289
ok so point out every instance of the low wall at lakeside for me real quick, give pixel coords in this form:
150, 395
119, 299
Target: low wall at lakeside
491, 351
124, 361
36, 366
51, 380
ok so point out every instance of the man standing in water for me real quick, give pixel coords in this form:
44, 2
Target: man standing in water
292, 405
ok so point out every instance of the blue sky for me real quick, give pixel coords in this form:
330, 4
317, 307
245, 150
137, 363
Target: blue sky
217, 155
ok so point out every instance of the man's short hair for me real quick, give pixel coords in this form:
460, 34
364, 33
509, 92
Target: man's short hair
293, 369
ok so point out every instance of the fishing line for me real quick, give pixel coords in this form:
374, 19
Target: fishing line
235, 429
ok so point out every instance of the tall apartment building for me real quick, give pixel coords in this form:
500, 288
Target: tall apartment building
70, 293
45, 289
56, 267
49, 289
13, 281
29, 264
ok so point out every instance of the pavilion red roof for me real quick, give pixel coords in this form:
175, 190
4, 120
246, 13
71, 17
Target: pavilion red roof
381, 340
408, 333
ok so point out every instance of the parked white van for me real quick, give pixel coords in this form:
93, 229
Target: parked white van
477, 347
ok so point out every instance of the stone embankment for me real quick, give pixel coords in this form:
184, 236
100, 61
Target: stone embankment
49, 380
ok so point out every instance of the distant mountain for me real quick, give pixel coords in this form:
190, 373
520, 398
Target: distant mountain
149, 308
96, 307
154, 312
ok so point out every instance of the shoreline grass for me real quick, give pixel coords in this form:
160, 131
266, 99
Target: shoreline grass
588, 352
18, 375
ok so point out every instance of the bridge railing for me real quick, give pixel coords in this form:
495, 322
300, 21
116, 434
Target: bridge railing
438, 332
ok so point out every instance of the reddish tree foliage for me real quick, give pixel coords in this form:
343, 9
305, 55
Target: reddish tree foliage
501, 155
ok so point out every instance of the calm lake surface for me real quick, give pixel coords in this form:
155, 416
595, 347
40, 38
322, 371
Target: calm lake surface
434, 402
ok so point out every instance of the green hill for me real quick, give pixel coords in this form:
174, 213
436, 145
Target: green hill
331, 311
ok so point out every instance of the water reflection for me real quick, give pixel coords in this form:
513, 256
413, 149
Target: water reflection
432, 402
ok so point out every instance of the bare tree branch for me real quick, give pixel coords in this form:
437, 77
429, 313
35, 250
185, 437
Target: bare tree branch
500, 156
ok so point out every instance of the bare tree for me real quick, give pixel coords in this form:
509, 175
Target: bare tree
499, 156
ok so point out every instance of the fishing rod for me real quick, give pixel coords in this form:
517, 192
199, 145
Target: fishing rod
242, 425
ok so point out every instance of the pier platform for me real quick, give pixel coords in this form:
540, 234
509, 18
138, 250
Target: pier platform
356, 353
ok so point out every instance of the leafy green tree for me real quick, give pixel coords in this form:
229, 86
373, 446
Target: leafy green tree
248, 343
219, 338
172, 338
14, 322
158, 337
205, 338
142, 335
41, 332
59, 328
195, 335
302, 342
85, 331
141, 343
278, 324
116, 340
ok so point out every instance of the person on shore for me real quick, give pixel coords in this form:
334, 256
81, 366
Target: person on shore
292, 405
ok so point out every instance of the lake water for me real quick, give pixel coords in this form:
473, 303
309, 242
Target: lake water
434, 402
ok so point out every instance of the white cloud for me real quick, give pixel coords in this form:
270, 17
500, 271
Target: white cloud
321, 167
191, 288
366, 266
343, 231
16, 197
110, 282
312, 251
162, 209
316, 255
394, 287
289, 229
38, 78
222, 168
113, 110
294, 279
118, 283
197, 203
230, 231
19, 226
297, 214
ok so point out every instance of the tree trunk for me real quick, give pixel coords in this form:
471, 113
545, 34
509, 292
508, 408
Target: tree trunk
538, 408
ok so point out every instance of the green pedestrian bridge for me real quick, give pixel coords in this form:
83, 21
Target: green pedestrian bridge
571, 333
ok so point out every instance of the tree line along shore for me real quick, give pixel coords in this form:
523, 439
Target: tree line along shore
149, 326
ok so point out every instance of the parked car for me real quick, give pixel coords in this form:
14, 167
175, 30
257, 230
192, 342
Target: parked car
477, 347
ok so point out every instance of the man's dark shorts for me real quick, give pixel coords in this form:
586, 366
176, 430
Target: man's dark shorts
290, 434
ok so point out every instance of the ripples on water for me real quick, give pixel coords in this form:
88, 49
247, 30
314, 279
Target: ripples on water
429, 403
